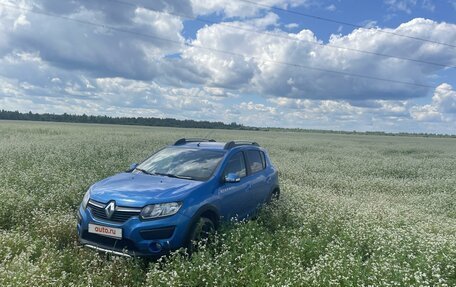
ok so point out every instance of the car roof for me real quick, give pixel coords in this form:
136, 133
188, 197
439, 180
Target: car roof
214, 145
204, 145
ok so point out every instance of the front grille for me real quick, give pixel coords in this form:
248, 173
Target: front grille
111, 243
120, 215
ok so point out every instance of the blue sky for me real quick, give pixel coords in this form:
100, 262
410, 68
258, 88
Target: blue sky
238, 61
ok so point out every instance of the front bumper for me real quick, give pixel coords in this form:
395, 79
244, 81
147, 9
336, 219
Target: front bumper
139, 237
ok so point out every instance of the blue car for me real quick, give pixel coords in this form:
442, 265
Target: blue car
176, 197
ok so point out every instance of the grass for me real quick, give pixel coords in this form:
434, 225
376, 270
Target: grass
355, 210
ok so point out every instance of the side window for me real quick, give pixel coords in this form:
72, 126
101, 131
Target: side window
236, 165
256, 161
263, 158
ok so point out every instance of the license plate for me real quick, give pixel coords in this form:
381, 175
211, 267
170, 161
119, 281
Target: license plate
105, 231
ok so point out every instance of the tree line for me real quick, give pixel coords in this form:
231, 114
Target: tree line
140, 121
171, 122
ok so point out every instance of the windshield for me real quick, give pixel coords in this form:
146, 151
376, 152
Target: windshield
188, 163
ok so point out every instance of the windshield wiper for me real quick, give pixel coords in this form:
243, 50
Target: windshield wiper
144, 171
174, 175
165, 174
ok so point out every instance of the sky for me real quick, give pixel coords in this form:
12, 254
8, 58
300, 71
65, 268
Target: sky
380, 65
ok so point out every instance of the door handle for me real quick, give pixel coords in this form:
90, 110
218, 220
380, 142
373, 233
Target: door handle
249, 187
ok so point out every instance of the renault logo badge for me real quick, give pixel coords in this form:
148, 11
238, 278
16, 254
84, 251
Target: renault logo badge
110, 208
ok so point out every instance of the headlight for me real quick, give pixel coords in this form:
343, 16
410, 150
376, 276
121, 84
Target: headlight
160, 210
85, 200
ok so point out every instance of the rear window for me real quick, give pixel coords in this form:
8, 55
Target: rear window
256, 160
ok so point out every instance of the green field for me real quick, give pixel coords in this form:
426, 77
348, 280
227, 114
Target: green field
355, 210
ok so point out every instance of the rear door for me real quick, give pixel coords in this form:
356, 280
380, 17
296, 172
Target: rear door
234, 196
256, 168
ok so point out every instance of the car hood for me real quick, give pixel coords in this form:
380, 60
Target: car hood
138, 190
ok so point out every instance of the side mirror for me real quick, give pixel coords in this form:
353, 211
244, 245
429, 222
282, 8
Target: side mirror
232, 177
132, 167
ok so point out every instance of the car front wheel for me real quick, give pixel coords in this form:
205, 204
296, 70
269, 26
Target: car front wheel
200, 233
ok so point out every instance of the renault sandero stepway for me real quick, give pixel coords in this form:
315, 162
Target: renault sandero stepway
176, 197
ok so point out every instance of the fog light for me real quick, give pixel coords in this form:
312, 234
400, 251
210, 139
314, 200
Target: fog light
155, 247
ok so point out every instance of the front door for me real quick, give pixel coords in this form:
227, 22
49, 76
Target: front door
234, 196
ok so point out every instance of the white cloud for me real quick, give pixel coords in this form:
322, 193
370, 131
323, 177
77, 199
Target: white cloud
34, 84
428, 5
260, 67
270, 19
401, 5
95, 49
445, 98
340, 114
442, 108
331, 8
21, 21
291, 25
239, 8
426, 113
369, 24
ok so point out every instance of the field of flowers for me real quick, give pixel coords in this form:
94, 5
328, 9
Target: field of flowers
356, 210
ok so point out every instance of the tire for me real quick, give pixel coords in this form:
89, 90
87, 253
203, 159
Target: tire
275, 194
201, 231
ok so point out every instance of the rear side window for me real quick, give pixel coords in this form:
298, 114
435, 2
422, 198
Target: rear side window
263, 158
236, 165
256, 160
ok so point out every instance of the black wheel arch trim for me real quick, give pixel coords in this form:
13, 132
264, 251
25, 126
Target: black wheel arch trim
274, 189
197, 215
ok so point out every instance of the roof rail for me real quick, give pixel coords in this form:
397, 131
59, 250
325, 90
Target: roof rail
188, 140
232, 144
